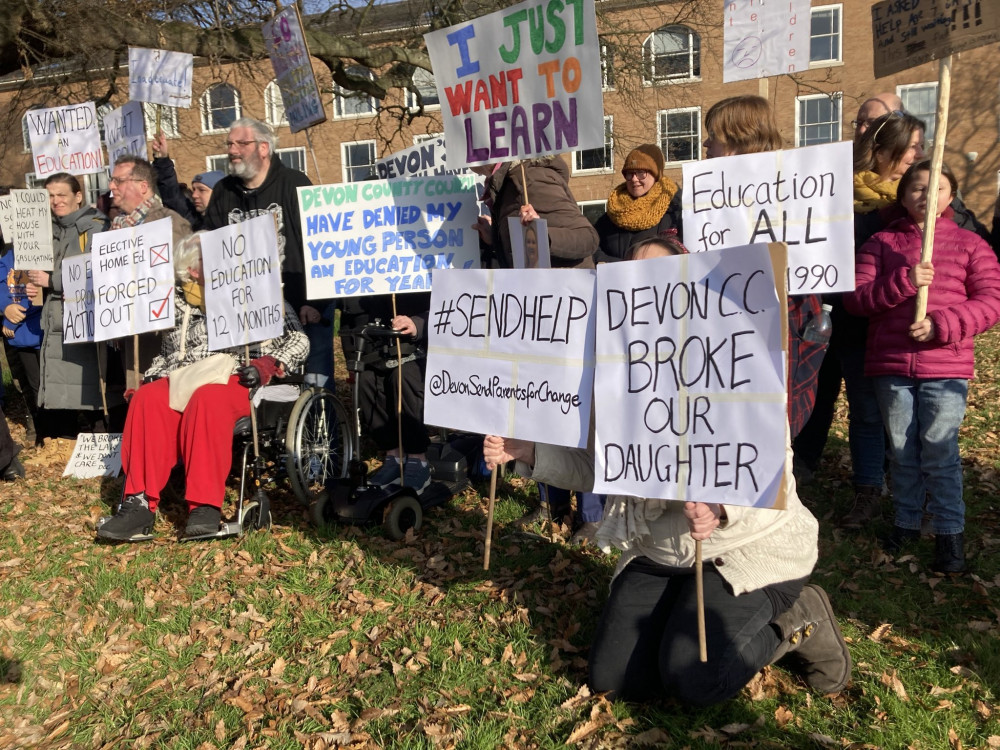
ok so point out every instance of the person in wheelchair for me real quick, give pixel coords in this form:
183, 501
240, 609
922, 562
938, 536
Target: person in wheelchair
157, 436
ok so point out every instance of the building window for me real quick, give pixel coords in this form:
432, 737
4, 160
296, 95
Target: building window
418, 139
597, 159
218, 162
680, 134
920, 100
825, 37
293, 158
672, 53
274, 105
817, 119
168, 120
352, 103
607, 66
593, 210
359, 160
25, 137
220, 108
423, 82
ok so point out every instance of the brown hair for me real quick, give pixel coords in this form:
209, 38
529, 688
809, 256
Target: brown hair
67, 179
925, 166
141, 169
744, 124
888, 135
664, 241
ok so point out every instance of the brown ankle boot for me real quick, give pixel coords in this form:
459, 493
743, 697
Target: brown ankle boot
813, 643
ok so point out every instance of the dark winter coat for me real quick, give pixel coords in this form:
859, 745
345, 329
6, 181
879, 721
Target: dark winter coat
27, 333
615, 241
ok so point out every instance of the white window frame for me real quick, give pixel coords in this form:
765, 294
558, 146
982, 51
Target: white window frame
424, 137
929, 118
346, 167
837, 34
837, 98
204, 105
426, 86
301, 151
25, 135
609, 151
590, 204
649, 78
341, 98
168, 120
661, 118
274, 106
217, 162
607, 66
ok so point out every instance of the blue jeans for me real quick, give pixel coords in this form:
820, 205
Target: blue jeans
923, 417
865, 432
319, 364
589, 505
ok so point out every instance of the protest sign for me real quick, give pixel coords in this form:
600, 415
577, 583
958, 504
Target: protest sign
31, 230
765, 39
906, 34
529, 243
521, 82
803, 197
243, 300
133, 280
423, 160
95, 455
7, 217
125, 132
690, 353
78, 299
65, 139
511, 353
289, 53
159, 76
386, 236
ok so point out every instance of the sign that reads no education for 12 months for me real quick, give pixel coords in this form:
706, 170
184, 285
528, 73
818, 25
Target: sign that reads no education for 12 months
243, 300
511, 353
385, 237
521, 82
133, 280
692, 373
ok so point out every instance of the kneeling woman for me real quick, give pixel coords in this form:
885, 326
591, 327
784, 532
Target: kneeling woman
201, 436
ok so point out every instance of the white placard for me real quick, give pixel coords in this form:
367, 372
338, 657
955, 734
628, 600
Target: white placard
529, 243
78, 299
511, 353
286, 46
242, 283
7, 217
423, 160
96, 454
31, 230
125, 132
522, 82
765, 39
692, 378
159, 76
65, 139
133, 279
384, 237
803, 197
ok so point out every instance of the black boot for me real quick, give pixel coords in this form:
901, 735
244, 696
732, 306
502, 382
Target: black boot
812, 640
899, 539
949, 553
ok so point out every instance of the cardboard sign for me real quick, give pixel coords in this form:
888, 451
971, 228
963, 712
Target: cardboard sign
31, 230
386, 236
286, 46
906, 34
529, 243
125, 132
78, 299
65, 139
95, 455
765, 39
521, 82
133, 279
803, 197
691, 361
511, 353
243, 300
159, 76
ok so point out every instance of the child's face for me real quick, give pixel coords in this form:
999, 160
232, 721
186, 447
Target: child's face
915, 199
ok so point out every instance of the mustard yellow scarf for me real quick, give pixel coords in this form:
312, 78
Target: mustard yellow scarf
194, 294
644, 212
871, 192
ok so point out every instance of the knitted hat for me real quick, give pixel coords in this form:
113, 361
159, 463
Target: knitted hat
647, 156
208, 179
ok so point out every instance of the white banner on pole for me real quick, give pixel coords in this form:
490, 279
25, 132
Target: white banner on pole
423, 160
159, 76
65, 139
511, 353
96, 454
125, 132
31, 230
286, 46
763, 39
78, 299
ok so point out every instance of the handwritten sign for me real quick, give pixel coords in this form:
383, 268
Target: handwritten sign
96, 454
424, 159
386, 236
690, 351
242, 283
521, 82
31, 230
65, 139
78, 299
133, 280
906, 34
765, 39
125, 132
7, 217
802, 197
289, 53
159, 76
511, 353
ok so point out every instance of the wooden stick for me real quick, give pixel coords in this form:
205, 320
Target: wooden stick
135, 357
699, 587
399, 398
104, 388
489, 519
937, 158
319, 180
524, 181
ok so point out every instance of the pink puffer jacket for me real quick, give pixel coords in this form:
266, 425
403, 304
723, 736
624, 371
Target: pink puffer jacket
963, 301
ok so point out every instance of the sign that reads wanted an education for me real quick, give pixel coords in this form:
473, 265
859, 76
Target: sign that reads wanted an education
691, 367
78, 298
65, 139
511, 353
803, 197
383, 237
133, 280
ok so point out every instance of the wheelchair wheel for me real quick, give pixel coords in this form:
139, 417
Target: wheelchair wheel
321, 510
404, 513
318, 443
257, 513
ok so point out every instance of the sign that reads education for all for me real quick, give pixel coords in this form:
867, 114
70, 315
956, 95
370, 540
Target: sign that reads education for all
31, 230
133, 280
65, 139
691, 378
159, 76
803, 197
521, 82
286, 46
511, 353
386, 236
125, 132
78, 298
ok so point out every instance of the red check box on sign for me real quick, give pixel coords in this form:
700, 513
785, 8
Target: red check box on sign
158, 309
159, 254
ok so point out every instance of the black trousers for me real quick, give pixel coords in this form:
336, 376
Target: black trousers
7, 448
378, 397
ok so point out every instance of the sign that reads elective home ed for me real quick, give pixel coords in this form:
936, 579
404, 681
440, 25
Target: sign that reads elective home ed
31, 230
65, 139
125, 132
289, 53
803, 197
384, 237
510, 353
133, 280
159, 76
78, 299
243, 300
692, 374
521, 82
762, 39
